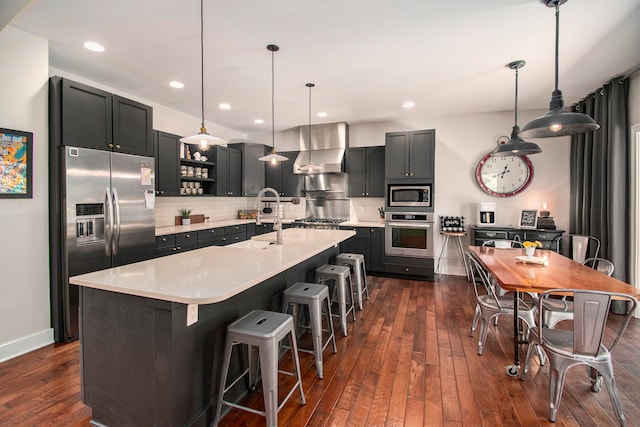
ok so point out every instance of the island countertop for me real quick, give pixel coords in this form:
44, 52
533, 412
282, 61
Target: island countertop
213, 274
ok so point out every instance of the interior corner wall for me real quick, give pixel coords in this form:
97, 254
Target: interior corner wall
24, 254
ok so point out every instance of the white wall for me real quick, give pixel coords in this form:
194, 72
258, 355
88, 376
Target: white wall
24, 252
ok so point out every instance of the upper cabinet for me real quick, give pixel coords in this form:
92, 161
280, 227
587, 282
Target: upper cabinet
83, 116
410, 155
166, 147
281, 178
365, 171
228, 171
252, 168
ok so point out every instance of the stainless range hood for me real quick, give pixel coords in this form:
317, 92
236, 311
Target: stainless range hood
325, 148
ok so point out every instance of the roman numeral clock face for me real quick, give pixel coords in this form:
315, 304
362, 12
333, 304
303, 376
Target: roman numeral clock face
504, 176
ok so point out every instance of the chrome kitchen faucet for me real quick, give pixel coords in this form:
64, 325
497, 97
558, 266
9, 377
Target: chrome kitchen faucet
277, 225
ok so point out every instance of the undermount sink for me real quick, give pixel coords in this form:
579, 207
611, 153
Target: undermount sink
251, 244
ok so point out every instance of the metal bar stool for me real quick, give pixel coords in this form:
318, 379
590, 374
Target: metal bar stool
264, 330
458, 235
356, 264
341, 276
313, 296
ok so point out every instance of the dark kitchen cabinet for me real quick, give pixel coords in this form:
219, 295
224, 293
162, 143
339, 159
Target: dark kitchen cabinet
368, 241
253, 169
166, 147
365, 171
228, 171
169, 244
83, 116
548, 238
410, 155
281, 178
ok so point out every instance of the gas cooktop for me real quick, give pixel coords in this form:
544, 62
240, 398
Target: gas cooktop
310, 220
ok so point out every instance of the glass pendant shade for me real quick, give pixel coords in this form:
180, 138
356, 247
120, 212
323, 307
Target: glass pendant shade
202, 138
557, 121
274, 157
516, 146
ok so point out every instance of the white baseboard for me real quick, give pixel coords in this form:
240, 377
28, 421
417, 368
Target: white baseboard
26, 344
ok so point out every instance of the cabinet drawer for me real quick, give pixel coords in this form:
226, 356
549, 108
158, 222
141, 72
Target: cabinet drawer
210, 234
234, 238
540, 235
166, 241
232, 229
213, 241
491, 234
184, 238
412, 270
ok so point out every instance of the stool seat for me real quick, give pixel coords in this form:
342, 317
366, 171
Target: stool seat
356, 263
313, 296
454, 233
339, 275
262, 331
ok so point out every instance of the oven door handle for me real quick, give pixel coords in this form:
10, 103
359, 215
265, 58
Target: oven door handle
408, 224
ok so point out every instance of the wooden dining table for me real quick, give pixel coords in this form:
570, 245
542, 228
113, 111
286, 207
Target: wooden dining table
557, 272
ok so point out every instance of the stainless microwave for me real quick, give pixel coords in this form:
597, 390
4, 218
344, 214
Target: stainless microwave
409, 195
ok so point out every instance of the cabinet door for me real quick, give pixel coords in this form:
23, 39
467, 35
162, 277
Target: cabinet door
235, 172
357, 172
86, 116
377, 249
291, 183
421, 154
396, 165
253, 170
167, 163
222, 171
375, 171
132, 127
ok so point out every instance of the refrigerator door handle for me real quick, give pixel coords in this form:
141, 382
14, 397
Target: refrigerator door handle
117, 223
108, 227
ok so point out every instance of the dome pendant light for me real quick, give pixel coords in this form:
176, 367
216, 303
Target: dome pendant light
516, 146
557, 121
273, 157
310, 167
202, 138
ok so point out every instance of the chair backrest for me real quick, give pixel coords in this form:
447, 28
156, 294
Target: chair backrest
590, 310
478, 272
578, 247
602, 265
502, 244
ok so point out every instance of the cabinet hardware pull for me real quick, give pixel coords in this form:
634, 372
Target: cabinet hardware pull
118, 146
110, 145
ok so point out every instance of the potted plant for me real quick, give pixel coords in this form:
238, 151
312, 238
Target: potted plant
186, 218
530, 247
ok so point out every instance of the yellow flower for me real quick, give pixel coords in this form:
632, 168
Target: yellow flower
535, 244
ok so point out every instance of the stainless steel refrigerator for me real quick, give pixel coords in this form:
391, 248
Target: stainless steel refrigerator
108, 207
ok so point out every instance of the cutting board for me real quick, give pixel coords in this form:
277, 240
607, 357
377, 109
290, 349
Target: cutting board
195, 219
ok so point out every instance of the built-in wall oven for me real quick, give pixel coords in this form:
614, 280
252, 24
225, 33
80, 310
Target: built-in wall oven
409, 234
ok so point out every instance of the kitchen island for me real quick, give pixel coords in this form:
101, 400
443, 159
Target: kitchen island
142, 364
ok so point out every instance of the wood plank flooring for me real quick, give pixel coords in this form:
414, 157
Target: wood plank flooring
408, 361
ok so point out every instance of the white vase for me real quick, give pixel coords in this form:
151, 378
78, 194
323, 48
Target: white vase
530, 251
186, 221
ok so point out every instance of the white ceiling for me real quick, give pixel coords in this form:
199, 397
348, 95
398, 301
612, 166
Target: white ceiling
366, 57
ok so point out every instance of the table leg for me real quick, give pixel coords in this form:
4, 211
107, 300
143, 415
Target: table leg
513, 370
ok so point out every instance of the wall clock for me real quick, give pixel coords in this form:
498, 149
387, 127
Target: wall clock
504, 176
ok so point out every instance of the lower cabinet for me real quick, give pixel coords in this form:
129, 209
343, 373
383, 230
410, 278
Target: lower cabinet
173, 243
422, 267
368, 241
548, 238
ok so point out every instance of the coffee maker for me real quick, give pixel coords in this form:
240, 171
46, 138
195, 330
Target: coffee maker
487, 213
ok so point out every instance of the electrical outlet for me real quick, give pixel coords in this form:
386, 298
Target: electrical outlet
192, 314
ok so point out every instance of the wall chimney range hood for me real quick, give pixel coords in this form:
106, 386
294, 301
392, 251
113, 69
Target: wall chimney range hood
325, 148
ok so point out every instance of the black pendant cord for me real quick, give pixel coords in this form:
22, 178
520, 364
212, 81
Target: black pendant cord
516, 103
273, 108
557, 43
310, 85
202, 60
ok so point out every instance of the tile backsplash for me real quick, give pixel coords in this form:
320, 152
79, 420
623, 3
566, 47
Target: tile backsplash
366, 208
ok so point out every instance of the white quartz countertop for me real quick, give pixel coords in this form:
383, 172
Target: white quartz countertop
215, 273
362, 224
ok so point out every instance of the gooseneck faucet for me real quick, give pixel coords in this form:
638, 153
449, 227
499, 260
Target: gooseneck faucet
277, 225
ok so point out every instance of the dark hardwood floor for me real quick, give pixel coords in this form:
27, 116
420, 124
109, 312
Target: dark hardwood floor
408, 361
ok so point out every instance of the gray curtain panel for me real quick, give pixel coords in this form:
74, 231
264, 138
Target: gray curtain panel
600, 174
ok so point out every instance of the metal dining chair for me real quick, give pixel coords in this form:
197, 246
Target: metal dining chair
577, 247
581, 345
557, 310
490, 305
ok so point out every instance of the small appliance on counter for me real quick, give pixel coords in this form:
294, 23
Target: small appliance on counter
487, 213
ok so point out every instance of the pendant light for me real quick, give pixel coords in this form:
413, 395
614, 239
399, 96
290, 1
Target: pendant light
202, 138
516, 146
557, 121
273, 157
309, 167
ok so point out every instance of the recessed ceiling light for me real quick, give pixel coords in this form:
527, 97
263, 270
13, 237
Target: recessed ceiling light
177, 85
322, 114
94, 46
224, 106
258, 121
409, 104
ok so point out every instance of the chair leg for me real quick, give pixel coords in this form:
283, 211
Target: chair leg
474, 324
296, 361
269, 364
316, 331
556, 385
484, 331
605, 370
226, 360
331, 330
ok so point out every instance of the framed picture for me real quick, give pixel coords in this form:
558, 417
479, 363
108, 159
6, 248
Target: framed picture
528, 218
16, 164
